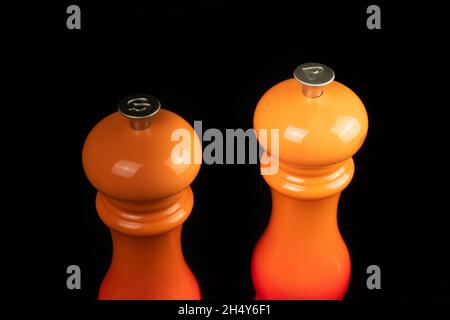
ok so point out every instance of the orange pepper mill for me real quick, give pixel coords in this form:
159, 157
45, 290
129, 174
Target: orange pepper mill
322, 124
144, 196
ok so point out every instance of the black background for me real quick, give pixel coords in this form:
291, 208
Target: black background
212, 61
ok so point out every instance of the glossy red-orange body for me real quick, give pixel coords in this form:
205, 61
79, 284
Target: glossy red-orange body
144, 196
301, 254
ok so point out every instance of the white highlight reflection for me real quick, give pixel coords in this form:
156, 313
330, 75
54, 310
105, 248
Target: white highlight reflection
295, 134
179, 161
125, 168
346, 128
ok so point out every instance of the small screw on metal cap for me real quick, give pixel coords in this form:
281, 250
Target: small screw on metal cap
313, 76
139, 108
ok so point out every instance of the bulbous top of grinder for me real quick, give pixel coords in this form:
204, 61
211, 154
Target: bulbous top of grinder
320, 121
130, 156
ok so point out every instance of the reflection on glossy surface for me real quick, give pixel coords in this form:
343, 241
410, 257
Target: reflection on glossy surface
338, 182
301, 183
294, 134
293, 187
125, 168
294, 178
179, 161
346, 128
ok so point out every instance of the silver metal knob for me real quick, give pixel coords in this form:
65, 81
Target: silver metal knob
139, 108
313, 76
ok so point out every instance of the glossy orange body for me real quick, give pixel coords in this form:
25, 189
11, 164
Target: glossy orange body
301, 254
144, 196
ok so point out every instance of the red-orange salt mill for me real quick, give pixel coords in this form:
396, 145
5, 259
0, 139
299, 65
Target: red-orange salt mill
322, 124
144, 196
